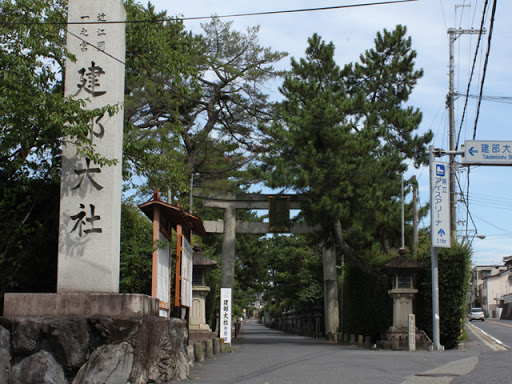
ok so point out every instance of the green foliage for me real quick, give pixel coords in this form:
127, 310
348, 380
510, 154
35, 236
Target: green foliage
344, 139
193, 103
250, 265
454, 277
160, 61
294, 272
368, 308
35, 118
28, 262
136, 250
385, 78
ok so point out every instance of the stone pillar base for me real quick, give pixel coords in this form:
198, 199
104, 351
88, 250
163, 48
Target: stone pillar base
197, 335
397, 338
123, 306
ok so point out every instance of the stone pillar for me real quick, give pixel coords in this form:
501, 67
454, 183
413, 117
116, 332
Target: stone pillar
227, 278
197, 318
331, 305
90, 201
402, 306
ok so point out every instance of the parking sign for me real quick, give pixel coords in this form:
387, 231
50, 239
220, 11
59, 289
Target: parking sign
440, 205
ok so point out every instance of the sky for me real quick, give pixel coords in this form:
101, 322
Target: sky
353, 30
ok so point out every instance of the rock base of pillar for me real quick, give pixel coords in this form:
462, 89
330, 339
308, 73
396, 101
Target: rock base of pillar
397, 339
55, 305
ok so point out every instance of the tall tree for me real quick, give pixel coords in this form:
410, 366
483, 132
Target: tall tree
202, 110
220, 129
344, 138
161, 62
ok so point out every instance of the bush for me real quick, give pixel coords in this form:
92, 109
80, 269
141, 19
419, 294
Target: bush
454, 276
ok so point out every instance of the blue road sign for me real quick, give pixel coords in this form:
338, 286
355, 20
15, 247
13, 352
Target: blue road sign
487, 152
440, 203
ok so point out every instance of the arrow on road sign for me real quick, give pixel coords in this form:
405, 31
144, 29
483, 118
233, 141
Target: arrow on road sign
441, 232
472, 151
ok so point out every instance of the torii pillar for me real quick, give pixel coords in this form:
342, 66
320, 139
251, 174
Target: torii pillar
230, 226
227, 275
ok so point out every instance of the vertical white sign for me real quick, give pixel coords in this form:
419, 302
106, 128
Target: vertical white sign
225, 314
186, 273
440, 205
90, 200
164, 281
412, 332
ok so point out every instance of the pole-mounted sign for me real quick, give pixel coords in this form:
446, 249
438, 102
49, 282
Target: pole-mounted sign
489, 152
440, 203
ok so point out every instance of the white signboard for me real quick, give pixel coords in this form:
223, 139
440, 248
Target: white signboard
225, 314
412, 332
488, 152
163, 281
440, 205
186, 273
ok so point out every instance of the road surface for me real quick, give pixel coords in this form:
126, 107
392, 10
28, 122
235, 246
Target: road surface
262, 355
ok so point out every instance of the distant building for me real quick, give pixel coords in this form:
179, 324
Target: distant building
478, 274
491, 288
507, 294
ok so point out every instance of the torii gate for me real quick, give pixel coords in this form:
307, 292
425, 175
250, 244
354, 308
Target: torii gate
230, 226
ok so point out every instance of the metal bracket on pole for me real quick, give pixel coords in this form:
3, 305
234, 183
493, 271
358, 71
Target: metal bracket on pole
439, 152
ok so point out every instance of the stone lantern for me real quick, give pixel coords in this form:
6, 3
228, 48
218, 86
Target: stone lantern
198, 328
403, 271
403, 291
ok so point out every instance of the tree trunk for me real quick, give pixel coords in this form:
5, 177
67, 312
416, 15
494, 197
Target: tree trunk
351, 256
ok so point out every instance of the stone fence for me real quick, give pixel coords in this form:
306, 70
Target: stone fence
106, 350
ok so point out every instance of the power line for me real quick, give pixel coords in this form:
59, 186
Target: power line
194, 18
307, 9
222, 16
472, 72
98, 49
494, 99
493, 13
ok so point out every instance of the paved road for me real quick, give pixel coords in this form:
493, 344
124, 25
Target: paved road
262, 355
500, 329
493, 365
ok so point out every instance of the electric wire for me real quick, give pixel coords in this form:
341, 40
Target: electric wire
7, 24
359, 5
98, 49
468, 214
442, 11
491, 26
472, 72
493, 99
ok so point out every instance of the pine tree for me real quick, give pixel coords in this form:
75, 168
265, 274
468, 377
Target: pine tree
343, 138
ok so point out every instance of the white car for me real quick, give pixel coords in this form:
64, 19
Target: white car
476, 314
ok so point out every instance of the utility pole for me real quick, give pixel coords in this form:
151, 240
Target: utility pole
403, 215
454, 34
414, 216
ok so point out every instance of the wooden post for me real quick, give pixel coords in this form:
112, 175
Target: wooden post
177, 290
154, 269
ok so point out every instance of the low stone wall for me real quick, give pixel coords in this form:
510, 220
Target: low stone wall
506, 314
92, 350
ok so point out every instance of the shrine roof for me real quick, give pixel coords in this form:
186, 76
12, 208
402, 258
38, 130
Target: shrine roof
402, 262
198, 260
175, 214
